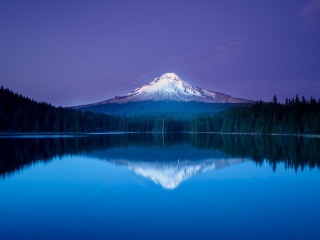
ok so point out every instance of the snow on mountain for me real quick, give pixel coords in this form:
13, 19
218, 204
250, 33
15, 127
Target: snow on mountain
170, 87
171, 174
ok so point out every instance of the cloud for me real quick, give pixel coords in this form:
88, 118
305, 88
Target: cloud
173, 60
238, 40
310, 14
228, 50
103, 79
227, 53
232, 48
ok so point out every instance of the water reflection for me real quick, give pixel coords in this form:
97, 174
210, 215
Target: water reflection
91, 194
167, 160
171, 174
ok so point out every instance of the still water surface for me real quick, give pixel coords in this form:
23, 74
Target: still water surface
133, 186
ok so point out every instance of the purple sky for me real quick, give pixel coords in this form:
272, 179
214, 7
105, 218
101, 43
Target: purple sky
76, 52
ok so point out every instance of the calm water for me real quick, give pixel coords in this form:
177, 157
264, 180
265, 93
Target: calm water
133, 186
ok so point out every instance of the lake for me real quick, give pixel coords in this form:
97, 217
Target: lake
159, 186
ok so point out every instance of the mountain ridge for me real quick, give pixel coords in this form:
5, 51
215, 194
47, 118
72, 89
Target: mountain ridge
167, 96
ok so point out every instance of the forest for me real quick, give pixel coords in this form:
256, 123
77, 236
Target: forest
295, 116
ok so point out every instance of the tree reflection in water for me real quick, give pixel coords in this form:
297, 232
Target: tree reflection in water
294, 152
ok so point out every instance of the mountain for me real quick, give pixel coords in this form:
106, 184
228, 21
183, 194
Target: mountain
166, 96
169, 87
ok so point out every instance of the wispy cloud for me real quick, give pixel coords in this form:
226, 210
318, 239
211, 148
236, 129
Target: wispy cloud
97, 71
238, 40
152, 71
268, 84
310, 14
103, 79
170, 61
229, 49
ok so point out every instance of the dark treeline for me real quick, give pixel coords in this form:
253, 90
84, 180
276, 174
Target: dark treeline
295, 116
294, 152
20, 114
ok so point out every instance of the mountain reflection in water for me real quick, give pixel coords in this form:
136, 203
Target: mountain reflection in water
168, 159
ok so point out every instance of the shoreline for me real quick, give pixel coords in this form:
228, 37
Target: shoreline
84, 134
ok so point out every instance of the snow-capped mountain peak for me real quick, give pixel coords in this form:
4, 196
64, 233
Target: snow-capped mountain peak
170, 76
170, 87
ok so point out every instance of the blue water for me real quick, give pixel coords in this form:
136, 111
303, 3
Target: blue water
87, 196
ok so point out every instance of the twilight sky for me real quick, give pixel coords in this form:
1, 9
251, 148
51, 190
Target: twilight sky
76, 52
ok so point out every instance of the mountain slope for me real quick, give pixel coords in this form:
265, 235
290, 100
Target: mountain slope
174, 109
